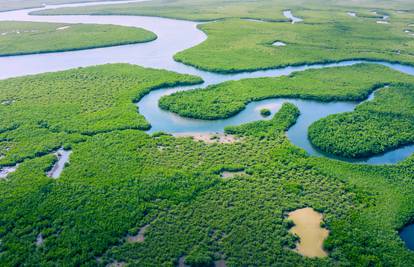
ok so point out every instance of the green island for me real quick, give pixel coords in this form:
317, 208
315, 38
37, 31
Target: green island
352, 83
241, 45
265, 112
376, 126
20, 38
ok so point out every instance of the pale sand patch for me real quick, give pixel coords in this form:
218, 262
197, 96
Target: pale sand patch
210, 138
5, 171
308, 227
352, 14
181, 262
63, 28
39, 240
382, 22
63, 158
278, 43
220, 263
7, 102
229, 174
140, 237
116, 264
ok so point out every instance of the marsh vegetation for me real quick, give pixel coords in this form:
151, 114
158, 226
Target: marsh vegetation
376, 126
130, 197
20, 38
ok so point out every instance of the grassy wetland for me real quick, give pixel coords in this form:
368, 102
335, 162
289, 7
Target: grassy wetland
327, 33
130, 197
119, 181
19, 38
353, 83
43, 112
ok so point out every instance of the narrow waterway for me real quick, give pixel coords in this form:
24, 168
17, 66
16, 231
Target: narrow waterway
175, 36
62, 158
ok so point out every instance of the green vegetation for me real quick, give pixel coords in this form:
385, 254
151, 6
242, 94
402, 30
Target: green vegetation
19, 38
6, 5
238, 45
43, 112
353, 83
265, 112
282, 121
327, 34
119, 180
217, 9
376, 126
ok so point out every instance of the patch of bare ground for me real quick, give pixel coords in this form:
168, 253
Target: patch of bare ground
5, 171
211, 138
138, 238
116, 264
39, 240
231, 174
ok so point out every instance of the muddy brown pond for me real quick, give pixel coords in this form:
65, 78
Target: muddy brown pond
308, 228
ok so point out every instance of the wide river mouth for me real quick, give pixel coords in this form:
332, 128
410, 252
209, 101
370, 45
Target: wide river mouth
175, 36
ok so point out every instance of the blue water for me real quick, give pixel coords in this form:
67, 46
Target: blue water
173, 37
311, 111
407, 235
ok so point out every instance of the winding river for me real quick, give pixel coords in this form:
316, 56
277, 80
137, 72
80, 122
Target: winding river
175, 36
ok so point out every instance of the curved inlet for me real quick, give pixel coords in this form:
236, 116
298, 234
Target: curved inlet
407, 235
175, 36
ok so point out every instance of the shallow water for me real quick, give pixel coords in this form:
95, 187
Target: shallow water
254, 20
175, 36
407, 235
181, 262
308, 227
39, 240
63, 158
288, 14
140, 237
278, 43
5, 171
